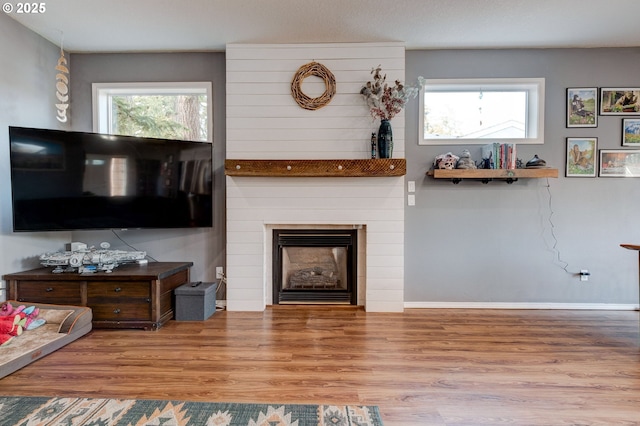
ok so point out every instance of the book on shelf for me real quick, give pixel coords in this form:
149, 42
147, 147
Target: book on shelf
499, 156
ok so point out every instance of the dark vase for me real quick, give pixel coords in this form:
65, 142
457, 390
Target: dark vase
385, 139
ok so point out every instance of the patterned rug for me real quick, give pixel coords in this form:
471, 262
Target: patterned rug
41, 411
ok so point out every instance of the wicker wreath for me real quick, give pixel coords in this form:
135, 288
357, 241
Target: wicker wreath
319, 70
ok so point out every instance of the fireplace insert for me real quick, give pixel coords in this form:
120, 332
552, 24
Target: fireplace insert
314, 266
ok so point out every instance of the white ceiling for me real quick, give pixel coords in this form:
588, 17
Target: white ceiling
208, 25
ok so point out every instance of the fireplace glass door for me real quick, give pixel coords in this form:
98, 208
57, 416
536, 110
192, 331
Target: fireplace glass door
314, 266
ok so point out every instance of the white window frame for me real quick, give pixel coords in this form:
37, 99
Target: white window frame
101, 93
535, 88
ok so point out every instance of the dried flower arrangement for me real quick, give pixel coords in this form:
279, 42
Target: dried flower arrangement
386, 101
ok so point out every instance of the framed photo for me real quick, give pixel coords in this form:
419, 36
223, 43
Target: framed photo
620, 162
631, 132
582, 107
582, 155
620, 101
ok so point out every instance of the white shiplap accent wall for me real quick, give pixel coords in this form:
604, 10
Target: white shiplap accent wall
264, 122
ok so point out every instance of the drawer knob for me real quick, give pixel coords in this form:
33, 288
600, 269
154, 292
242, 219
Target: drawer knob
49, 289
118, 289
116, 311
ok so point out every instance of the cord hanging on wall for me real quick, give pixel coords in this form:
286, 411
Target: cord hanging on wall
557, 260
62, 86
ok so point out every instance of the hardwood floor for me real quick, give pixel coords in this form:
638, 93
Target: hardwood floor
422, 367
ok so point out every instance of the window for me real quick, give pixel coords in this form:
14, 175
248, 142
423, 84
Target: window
478, 111
162, 110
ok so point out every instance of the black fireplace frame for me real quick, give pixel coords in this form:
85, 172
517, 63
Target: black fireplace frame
347, 238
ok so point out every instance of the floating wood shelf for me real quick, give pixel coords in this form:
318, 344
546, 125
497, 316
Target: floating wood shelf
317, 168
486, 175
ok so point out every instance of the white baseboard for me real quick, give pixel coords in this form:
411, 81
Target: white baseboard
505, 305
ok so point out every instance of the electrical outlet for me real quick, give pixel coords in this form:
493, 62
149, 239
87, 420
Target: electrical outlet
219, 272
411, 200
411, 186
584, 275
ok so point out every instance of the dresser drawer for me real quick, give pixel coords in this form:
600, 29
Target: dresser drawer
122, 310
65, 293
119, 289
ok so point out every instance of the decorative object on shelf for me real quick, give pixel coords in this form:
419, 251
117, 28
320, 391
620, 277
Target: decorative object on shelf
446, 161
498, 156
88, 260
536, 163
465, 161
385, 139
373, 146
62, 87
318, 70
385, 102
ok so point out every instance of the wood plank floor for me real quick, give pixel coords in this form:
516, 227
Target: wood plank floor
422, 367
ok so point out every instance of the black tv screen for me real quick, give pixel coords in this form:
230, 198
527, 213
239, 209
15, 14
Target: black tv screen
64, 180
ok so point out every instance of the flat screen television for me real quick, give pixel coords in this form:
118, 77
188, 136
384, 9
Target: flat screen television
62, 180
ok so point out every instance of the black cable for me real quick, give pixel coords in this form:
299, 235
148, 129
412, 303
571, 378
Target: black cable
553, 234
129, 245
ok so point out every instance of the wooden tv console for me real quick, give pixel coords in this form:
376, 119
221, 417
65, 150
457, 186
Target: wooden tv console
132, 296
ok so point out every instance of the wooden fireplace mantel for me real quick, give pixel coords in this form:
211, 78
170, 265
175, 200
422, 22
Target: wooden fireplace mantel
317, 168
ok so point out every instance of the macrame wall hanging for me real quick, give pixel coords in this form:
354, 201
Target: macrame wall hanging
318, 70
62, 87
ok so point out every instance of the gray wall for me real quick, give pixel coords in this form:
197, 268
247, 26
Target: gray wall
27, 98
204, 247
495, 243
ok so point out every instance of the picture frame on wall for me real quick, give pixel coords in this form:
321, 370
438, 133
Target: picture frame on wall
582, 107
619, 163
631, 132
620, 101
582, 155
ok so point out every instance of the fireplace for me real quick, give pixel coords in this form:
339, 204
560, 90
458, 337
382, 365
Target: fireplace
330, 198
314, 266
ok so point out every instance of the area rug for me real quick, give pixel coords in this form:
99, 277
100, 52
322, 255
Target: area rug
40, 411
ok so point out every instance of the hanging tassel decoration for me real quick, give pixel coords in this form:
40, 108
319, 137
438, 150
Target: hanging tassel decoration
62, 87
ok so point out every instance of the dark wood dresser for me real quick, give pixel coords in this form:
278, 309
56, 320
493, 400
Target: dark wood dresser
132, 296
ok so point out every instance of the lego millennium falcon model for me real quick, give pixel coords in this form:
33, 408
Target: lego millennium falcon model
89, 259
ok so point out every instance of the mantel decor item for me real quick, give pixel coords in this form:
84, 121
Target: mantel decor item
62, 87
385, 139
465, 161
318, 70
536, 163
385, 102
